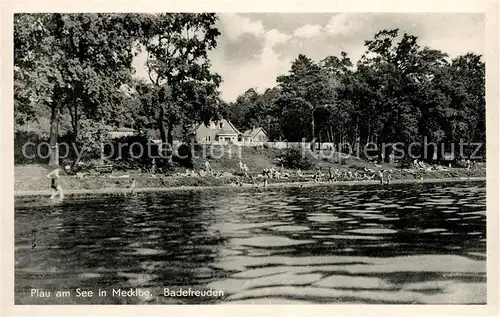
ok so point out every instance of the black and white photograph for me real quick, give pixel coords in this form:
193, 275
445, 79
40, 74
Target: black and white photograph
167, 158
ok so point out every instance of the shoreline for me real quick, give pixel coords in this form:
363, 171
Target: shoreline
108, 191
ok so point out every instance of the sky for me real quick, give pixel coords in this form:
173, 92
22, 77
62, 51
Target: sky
254, 48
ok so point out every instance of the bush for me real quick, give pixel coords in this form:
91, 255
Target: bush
131, 152
90, 137
295, 158
21, 139
184, 156
406, 163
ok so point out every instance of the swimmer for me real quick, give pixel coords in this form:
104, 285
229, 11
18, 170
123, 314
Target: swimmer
55, 184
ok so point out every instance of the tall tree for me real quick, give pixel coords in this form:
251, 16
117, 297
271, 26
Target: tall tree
386, 87
305, 82
336, 119
73, 61
239, 111
177, 45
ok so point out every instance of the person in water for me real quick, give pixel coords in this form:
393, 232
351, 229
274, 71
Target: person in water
55, 184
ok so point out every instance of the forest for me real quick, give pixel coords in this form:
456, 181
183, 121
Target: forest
397, 92
73, 79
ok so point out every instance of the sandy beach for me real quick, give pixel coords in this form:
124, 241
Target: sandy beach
111, 191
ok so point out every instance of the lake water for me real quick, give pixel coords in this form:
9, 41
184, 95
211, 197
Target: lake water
360, 244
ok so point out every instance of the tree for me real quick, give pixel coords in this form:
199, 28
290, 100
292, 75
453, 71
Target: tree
200, 104
463, 116
252, 109
238, 112
295, 117
177, 45
387, 88
72, 61
305, 82
409, 93
340, 114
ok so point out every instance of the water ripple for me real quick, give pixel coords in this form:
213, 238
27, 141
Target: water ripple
400, 244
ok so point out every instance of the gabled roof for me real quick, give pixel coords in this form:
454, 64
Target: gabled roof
113, 129
231, 125
253, 132
125, 130
225, 123
226, 132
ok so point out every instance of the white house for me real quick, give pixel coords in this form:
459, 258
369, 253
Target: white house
254, 135
222, 131
121, 132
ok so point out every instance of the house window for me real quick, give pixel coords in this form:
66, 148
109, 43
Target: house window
220, 125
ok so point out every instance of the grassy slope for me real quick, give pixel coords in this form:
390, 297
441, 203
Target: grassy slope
258, 158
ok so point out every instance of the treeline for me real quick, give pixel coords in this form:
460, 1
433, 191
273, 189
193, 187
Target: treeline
397, 92
75, 72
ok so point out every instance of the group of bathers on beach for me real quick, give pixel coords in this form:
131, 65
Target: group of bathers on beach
334, 175
267, 173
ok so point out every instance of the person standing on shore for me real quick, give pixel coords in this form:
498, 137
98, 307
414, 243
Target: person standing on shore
388, 177
319, 175
245, 169
208, 168
299, 173
133, 187
55, 184
153, 166
265, 172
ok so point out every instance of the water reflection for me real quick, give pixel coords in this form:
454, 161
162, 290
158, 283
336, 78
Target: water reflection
398, 244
